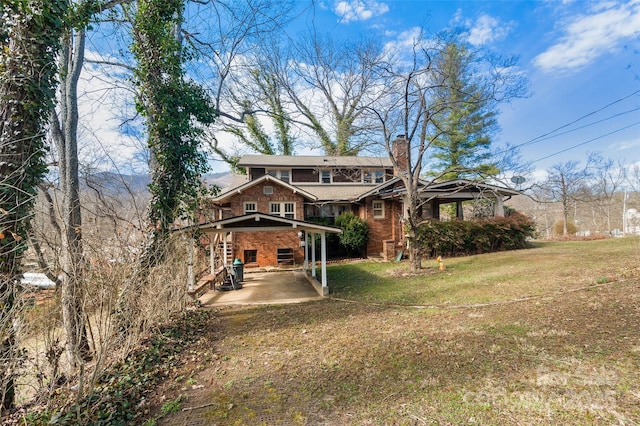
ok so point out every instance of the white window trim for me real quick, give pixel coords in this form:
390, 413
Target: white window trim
372, 176
282, 208
244, 207
373, 209
278, 173
330, 177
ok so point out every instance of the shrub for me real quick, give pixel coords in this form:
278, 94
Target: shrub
455, 238
558, 228
355, 232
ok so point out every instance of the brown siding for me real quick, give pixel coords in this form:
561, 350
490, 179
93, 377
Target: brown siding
347, 176
256, 172
304, 176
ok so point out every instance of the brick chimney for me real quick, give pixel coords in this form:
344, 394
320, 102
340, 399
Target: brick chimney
401, 154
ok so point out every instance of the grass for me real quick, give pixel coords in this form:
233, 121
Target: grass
547, 267
557, 344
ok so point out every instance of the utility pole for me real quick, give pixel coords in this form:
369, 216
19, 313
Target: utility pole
624, 213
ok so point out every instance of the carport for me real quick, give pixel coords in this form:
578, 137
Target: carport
262, 222
260, 288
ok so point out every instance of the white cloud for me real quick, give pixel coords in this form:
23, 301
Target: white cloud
589, 36
359, 10
487, 29
105, 103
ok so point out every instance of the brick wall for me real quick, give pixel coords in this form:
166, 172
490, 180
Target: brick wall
256, 194
380, 229
267, 243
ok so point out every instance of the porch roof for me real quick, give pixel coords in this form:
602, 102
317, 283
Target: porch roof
452, 190
256, 222
463, 189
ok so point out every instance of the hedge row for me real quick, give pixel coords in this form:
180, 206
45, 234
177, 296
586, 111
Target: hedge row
457, 238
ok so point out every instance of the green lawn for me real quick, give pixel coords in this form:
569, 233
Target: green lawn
544, 268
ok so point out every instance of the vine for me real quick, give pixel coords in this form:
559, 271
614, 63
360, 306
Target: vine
172, 106
29, 41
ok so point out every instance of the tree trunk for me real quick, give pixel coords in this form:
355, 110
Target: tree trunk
27, 90
65, 135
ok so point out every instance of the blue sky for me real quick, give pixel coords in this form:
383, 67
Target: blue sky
582, 60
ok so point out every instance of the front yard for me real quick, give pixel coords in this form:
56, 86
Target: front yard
541, 336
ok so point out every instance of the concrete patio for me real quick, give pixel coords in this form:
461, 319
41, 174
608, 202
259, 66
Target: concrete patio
260, 288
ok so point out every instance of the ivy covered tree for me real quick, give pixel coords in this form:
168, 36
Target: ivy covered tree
174, 108
252, 134
466, 118
29, 42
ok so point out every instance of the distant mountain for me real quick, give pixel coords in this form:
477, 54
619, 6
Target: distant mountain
117, 184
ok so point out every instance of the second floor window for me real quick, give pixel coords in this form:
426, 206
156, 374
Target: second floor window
250, 207
284, 209
282, 174
325, 176
373, 176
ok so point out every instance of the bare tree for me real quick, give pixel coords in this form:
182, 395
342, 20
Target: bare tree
607, 177
411, 109
566, 183
329, 86
64, 131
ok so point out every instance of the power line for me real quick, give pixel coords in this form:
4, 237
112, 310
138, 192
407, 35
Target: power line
538, 138
586, 142
611, 117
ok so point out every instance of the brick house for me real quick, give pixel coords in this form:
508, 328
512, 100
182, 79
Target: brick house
308, 188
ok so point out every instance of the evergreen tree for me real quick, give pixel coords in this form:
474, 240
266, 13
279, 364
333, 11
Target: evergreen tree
465, 118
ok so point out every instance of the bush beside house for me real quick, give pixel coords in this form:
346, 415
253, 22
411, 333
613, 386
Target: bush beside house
457, 237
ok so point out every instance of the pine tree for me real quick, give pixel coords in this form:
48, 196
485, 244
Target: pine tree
465, 117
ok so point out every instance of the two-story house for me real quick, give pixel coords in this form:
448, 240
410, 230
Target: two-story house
305, 188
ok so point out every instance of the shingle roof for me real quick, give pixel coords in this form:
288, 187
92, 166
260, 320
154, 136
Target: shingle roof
336, 192
313, 161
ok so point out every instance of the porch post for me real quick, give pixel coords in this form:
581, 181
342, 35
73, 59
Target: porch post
499, 207
313, 255
323, 249
435, 209
212, 256
224, 249
305, 266
459, 211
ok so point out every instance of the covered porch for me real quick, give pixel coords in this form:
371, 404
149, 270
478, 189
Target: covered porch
259, 222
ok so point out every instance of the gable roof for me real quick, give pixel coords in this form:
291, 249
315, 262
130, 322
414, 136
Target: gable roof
316, 161
266, 178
